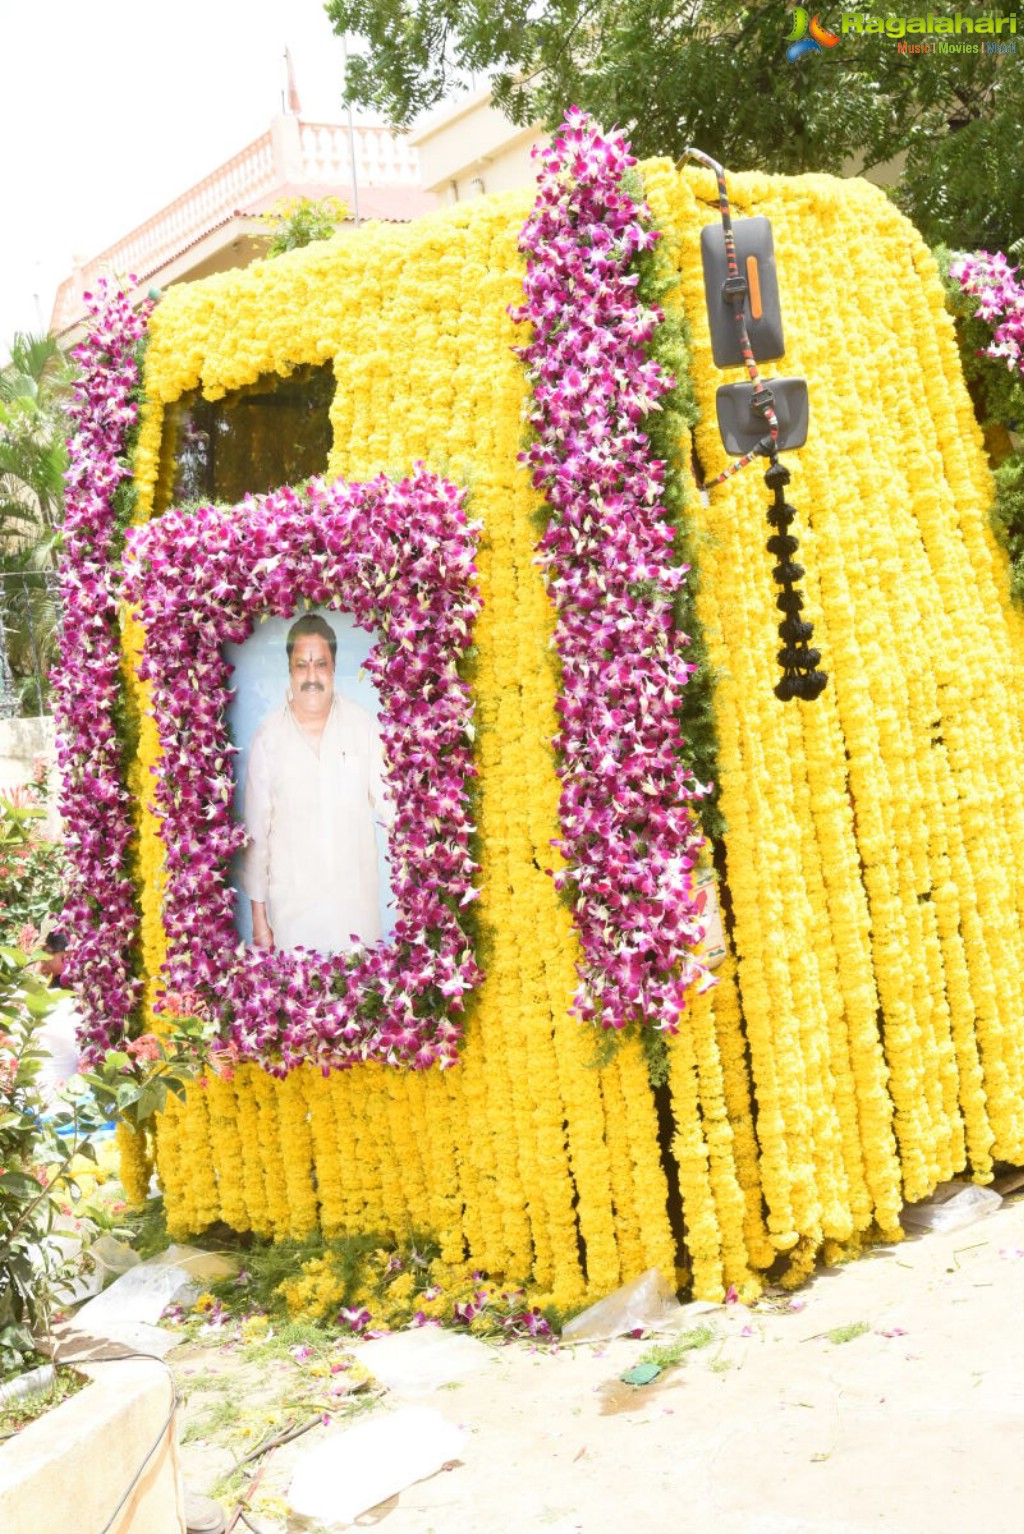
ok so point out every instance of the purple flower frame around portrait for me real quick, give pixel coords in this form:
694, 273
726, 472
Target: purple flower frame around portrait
400, 558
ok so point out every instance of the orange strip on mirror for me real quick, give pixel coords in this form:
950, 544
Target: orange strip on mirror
754, 284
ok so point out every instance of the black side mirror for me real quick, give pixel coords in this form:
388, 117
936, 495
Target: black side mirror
743, 427
755, 257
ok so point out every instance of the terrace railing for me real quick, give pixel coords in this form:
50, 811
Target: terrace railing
292, 153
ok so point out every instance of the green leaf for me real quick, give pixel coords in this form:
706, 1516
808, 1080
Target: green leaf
39, 1003
151, 1100
640, 1374
19, 1185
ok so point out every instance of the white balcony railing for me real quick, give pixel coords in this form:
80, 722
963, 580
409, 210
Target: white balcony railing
381, 158
290, 154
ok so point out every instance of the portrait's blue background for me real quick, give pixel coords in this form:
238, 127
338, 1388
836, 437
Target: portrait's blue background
260, 680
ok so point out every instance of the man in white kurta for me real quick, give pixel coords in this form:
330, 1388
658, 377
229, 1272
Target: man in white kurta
313, 785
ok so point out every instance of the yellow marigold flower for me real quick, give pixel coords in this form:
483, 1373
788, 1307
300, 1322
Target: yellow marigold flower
863, 1039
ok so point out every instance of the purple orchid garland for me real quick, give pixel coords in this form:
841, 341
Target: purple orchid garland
989, 277
629, 838
400, 559
95, 803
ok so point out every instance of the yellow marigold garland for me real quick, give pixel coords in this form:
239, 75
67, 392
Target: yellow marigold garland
827, 1120
589, 1154
168, 1157
357, 1159
650, 1187
267, 1095
689, 1147
409, 1151
227, 1152
628, 1233
723, 1143
728, 1042
323, 1131
297, 1155
396, 1221
254, 1190
201, 1167
430, 1102
136, 1163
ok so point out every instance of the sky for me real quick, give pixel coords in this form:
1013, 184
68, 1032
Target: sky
112, 108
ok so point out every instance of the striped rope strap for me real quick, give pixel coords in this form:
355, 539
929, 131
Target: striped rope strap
800, 676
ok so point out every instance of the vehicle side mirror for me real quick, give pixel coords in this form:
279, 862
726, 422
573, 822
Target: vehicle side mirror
743, 427
755, 256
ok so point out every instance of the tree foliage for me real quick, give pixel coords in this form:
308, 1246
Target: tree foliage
301, 221
33, 458
713, 74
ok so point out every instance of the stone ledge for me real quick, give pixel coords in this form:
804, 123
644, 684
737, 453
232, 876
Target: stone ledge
69, 1469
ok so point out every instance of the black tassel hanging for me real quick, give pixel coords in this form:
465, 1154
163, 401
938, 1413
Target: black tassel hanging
800, 675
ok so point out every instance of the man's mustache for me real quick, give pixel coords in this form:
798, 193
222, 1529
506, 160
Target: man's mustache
312, 687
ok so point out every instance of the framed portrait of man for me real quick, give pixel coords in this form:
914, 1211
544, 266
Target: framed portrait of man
310, 787
314, 779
